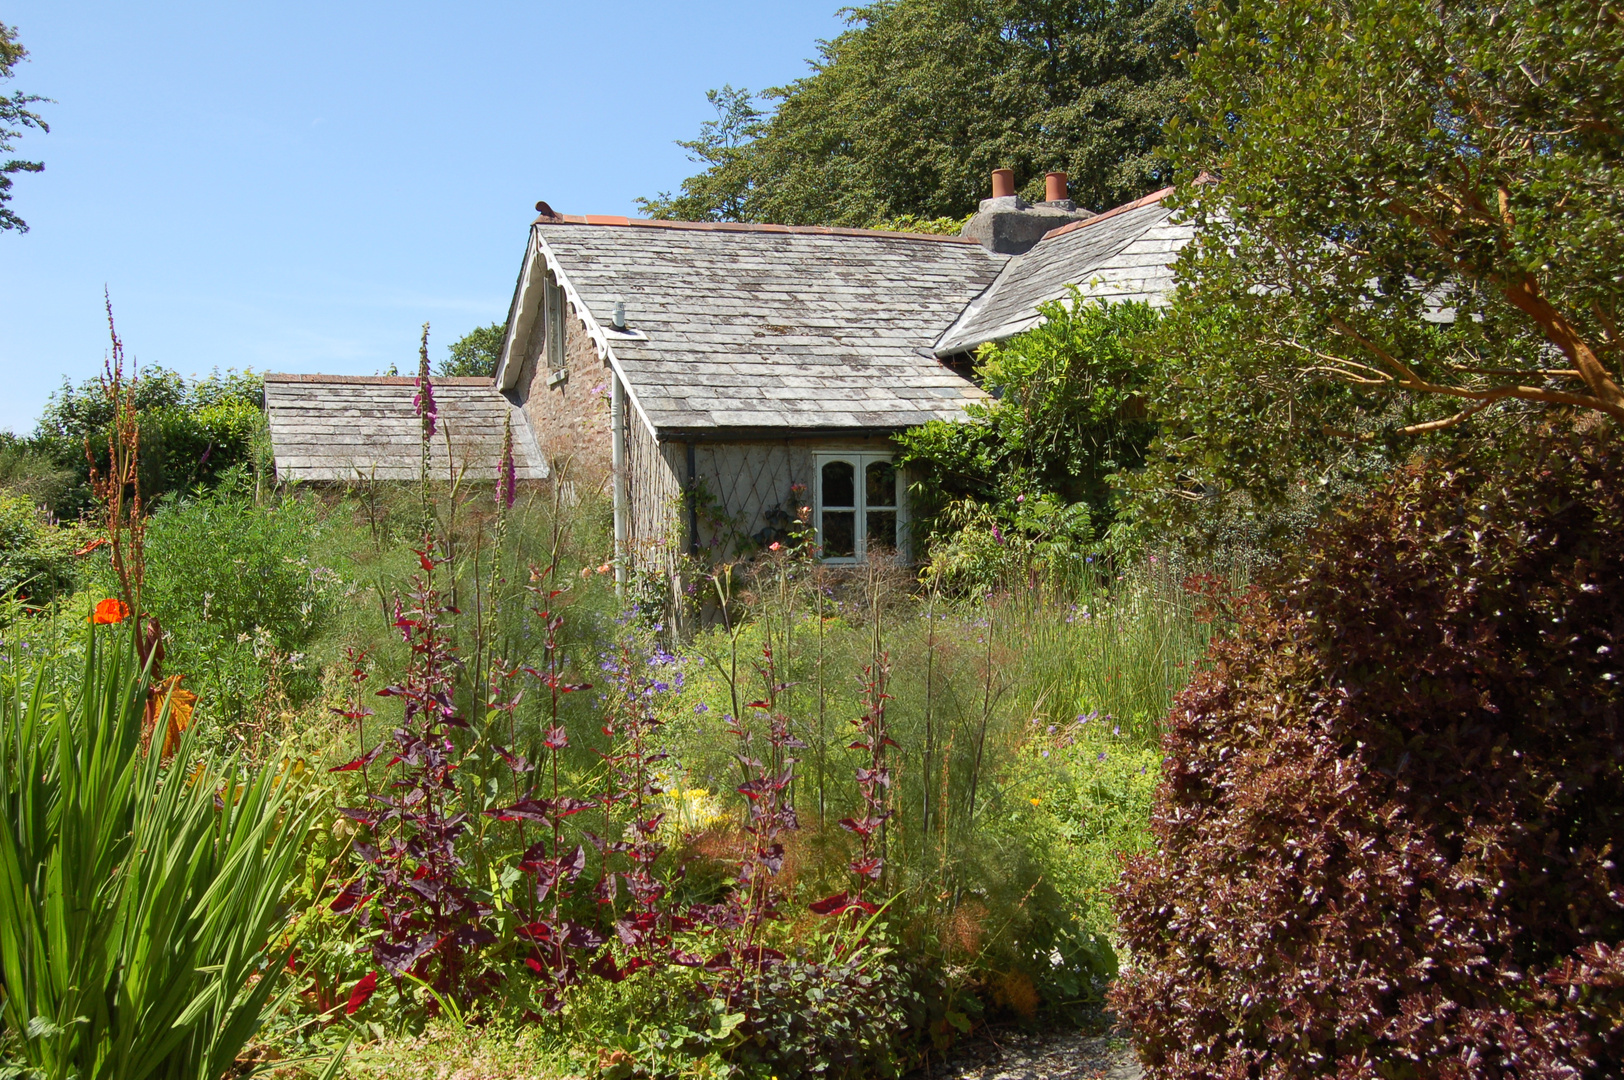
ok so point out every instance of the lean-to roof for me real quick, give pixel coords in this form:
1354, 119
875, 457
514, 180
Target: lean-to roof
1122, 254
764, 328
348, 428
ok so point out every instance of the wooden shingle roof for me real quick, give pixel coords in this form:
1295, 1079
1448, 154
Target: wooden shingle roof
772, 328
346, 428
1123, 254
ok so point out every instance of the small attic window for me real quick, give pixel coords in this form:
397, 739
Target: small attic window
553, 330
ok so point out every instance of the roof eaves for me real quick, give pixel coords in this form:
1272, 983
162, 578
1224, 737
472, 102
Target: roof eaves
729, 433
595, 331
510, 332
950, 346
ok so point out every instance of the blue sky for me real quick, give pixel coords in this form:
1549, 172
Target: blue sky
299, 186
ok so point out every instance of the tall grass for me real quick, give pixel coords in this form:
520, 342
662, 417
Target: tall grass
1025, 725
1018, 738
1119, 644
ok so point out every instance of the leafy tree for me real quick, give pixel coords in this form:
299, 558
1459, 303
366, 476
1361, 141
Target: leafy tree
31, 470
721, 192
908, 111
1066, 415
1418, 229
475, 354
192, 432
15, 116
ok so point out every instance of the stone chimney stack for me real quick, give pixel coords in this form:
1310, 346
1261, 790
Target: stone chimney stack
1009, 225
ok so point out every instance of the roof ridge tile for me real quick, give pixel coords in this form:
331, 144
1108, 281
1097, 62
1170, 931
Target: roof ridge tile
1153, 197
376, 380
744, 226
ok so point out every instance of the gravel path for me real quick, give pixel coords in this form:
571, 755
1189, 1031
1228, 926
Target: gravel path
1011, 1054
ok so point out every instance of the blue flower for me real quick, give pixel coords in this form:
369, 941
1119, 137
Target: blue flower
701, 708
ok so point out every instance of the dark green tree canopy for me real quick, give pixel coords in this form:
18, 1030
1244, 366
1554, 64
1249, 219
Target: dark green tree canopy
15, 117
908, 111
721, 192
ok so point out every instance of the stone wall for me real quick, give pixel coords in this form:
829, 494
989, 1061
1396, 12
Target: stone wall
570, 418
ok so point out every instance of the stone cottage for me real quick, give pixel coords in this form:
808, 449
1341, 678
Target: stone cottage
717, 377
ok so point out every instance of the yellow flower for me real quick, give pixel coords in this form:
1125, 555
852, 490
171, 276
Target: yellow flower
1036, 800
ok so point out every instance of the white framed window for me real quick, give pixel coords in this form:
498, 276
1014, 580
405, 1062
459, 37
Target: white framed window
858, 506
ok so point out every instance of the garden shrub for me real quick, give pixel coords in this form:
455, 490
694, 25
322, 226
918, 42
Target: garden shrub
234, 585
36, 559
1040, 460
28, 469
1388, 837
848, 1016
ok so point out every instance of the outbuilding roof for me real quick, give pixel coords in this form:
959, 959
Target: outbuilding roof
348, 428
763, 327
1123, 254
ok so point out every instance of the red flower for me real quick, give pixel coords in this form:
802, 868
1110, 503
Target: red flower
110, 610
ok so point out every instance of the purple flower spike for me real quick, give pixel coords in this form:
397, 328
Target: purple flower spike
423, 400
507, 478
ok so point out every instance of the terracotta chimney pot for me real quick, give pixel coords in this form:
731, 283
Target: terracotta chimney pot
1054, 187
1003, 183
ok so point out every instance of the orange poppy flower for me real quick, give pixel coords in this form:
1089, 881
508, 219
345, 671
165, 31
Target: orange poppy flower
111, 610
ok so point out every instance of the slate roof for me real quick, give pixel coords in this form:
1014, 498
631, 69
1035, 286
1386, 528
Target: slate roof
775, 328
336, 427
1122, 254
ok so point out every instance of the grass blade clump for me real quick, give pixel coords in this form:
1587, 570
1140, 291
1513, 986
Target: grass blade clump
137, 895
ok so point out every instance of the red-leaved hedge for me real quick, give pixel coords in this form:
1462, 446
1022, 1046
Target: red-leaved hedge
1389, 833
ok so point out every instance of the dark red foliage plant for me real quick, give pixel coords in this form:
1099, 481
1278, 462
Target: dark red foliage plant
430, 919
1389, 831
874, 784
553, 943
767, 769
